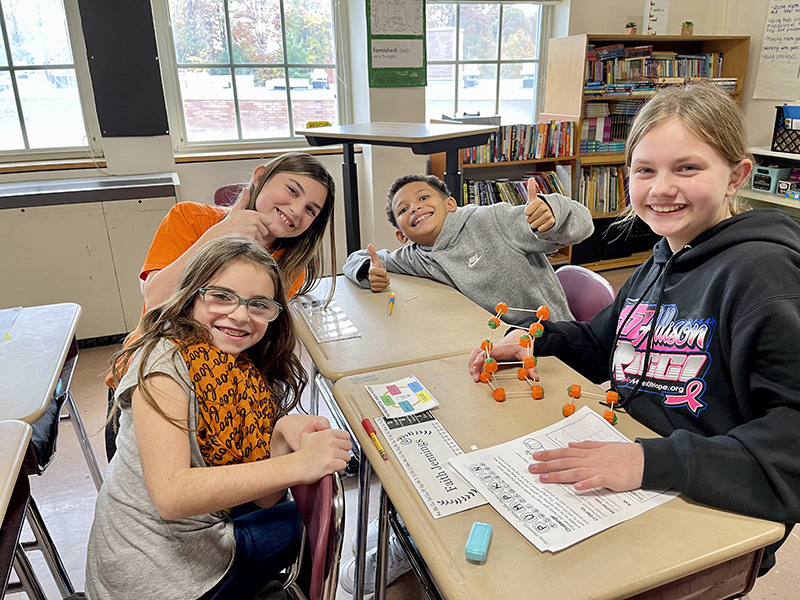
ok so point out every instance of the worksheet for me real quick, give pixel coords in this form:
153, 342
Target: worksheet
423, 446
552, 516
327, 324
401, 398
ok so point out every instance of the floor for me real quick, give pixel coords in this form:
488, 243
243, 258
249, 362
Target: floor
65, 494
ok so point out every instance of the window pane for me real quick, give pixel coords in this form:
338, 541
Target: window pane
37, 32
440, 94
262, 103
314, 102
441, 32
52, 108
517, 89
198, 27
477, 89
479, 28
309, 32
520, 32
208, 106
3, 57
9, 118
256, 26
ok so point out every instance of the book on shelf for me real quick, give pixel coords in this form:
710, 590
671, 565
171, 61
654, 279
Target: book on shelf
547, 139
603, 188
485, 193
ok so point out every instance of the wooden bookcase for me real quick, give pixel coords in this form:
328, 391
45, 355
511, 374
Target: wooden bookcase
567, 59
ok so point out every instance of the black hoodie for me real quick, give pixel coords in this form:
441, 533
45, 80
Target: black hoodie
723, 386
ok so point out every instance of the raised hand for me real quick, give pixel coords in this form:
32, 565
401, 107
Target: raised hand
378, 276
249, 223
618, 466
537, 212
322, 451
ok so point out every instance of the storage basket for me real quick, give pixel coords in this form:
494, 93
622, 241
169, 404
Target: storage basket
786, 136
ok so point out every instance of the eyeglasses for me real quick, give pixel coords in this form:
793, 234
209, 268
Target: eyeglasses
224, 303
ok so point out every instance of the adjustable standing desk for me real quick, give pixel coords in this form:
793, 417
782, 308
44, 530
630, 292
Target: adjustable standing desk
677, 550
422, 138
14, 492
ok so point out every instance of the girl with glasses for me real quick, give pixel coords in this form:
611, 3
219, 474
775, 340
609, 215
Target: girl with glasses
190, 507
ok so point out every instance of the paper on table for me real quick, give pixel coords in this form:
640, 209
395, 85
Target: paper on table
400, 398
552, 516
326, 324
7, 318
422, 445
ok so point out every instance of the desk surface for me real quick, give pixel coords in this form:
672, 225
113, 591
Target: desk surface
664, 544
430, 320
31, 361
397, 133
14, 438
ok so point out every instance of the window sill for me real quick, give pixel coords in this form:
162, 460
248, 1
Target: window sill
52, 165
195, 157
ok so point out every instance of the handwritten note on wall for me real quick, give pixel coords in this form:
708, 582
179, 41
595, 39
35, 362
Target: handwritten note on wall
779, 63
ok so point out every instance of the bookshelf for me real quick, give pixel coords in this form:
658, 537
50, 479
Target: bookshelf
602, 89
488, 169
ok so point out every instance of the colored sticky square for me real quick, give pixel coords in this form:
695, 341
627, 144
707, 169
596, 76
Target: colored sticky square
414, 386
424, 396
406, 406
393, 390
387, 400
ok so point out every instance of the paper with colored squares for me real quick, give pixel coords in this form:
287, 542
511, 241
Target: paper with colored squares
402, 398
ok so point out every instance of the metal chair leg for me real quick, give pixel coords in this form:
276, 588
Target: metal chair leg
28, 582
44, 543
83, 440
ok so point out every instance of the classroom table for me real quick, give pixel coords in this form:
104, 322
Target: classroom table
677, 550
421, 138
14, 491
36, 366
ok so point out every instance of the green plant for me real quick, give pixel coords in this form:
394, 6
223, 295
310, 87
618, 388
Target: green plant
630, 24
687, 24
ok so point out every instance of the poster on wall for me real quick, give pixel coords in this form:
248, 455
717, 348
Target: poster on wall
778, 76
655, 17
396, 32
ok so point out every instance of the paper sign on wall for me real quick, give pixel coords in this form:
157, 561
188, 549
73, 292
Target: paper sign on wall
655, 17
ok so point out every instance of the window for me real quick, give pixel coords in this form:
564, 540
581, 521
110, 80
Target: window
42, 111
484, 58
248, 70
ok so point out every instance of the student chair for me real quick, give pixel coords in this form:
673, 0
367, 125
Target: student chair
587, 292
228, 194
321, 507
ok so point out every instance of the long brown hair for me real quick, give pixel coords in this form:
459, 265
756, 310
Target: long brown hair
273, 355
303, 251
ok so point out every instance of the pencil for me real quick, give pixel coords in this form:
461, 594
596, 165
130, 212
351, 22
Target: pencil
391, 303
365, 422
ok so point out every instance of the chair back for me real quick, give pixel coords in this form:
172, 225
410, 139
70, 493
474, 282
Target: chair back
587, 292
321, 506
228, 194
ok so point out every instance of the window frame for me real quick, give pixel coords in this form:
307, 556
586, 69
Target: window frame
174, 101
80, 63
545, 23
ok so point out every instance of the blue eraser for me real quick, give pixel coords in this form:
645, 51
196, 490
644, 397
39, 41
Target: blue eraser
478, 541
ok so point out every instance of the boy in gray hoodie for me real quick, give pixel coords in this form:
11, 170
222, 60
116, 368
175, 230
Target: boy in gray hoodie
490, 254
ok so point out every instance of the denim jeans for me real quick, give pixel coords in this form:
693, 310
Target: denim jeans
267, 542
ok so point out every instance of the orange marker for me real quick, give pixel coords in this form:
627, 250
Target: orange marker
371, 431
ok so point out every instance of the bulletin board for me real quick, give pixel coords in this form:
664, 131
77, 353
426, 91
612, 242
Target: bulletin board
396, 40
778, 75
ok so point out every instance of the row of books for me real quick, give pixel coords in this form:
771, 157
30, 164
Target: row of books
603, 188
484, 193
604, 109
663, 64
524, 142
643, 87
593, 146
613, 128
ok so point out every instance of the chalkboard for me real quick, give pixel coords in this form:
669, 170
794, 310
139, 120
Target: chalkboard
778, 75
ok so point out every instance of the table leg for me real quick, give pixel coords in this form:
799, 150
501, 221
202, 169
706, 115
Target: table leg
352, 226
27, 578
383, 548
83, 440
364, 472
452, 175
45, 544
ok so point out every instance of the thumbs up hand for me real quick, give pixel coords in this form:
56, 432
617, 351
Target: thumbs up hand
378, 277
537, 212
249, 223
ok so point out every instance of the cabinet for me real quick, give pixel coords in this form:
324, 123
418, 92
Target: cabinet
478, 170
757, 198
601, 81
